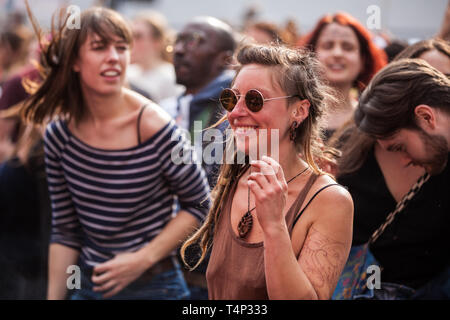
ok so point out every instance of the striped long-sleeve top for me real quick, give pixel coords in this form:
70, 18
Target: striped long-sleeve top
109, 201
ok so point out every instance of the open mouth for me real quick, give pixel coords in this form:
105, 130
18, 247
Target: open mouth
245, 130
336, 66
111, 74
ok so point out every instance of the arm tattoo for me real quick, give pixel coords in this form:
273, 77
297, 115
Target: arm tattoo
322, 259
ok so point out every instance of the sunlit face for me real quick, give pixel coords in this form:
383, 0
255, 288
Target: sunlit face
144, 43
338, 50
102, 65
419, 148
437, 60
268, 128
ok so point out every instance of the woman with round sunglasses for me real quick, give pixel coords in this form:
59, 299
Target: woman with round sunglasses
279, 228
111, 179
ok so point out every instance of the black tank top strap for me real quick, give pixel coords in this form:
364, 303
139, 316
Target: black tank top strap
297, 205
139, 123
312, 198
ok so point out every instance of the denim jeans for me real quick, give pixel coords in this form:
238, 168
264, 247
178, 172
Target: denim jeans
388, 291
198, 293
168, 285
437, 289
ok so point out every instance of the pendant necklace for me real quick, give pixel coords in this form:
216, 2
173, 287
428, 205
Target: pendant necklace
246, 222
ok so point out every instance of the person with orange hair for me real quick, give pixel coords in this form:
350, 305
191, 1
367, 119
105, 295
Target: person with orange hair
350, 59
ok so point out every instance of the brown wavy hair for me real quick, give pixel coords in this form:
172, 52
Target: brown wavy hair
355, 144
388, 103
419, 48
298, 74
59, 93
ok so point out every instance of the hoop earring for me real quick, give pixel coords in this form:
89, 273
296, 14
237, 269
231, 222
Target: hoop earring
293, 131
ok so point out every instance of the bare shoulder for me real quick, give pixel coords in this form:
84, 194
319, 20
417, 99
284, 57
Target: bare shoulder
326, 235
330, 211
153, 117
334, 200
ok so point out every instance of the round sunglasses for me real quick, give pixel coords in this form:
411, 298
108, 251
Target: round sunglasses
254, 100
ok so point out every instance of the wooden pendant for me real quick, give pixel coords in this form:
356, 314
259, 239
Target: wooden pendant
245, 225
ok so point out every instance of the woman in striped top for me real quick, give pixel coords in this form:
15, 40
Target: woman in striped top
112, 182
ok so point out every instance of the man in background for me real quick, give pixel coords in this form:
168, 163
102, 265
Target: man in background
203, 51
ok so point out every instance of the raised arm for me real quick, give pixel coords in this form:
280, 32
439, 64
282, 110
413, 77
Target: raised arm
322, 244
322, 256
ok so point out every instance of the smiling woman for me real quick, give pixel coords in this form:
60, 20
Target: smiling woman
279, 228
111, 181
349, 58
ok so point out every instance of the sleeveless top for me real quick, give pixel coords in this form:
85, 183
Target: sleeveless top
236, 267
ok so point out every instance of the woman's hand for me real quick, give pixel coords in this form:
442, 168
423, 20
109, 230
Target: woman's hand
114, 275
268, 185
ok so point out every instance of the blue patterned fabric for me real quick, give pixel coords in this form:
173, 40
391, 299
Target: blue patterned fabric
353, 281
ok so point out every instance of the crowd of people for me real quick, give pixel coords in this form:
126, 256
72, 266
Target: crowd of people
351, 167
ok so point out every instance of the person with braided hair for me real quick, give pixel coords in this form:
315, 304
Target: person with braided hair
280, 228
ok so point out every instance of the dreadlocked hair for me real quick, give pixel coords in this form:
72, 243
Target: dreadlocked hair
298, 74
